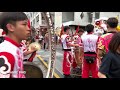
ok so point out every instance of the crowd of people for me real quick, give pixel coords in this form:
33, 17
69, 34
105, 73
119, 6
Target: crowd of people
97, 55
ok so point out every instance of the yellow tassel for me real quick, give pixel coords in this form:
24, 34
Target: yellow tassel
118, 28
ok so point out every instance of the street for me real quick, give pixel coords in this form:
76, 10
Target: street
45, 54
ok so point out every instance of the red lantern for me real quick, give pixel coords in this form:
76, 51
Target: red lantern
97, 23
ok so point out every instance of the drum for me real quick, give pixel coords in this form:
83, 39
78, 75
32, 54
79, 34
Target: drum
32, 70
36, 45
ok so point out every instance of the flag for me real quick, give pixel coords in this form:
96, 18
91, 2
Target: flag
29, 24
3, 33
62, 30
77, 29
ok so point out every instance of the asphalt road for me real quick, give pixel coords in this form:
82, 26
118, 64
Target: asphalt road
45, 54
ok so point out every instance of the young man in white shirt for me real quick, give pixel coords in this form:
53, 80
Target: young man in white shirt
67, 56
15, 24
89, 51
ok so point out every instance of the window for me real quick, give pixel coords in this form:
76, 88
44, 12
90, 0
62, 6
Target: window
97, 15
37, 18
34, 22
27, 15
31, 15
67, 16
90, 16
42, 17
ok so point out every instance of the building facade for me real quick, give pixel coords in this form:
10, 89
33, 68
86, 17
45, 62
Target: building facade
37, 21
84, 18
72, 19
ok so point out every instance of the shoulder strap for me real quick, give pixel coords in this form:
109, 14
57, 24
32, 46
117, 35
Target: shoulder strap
2, 39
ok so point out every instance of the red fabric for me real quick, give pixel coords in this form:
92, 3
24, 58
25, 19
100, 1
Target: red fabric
12, 41
74, 64
77, 30
32, 57
29, 23
62, 30
3, 33
66, 64
89, 67
104, 41
97, 23
37, 37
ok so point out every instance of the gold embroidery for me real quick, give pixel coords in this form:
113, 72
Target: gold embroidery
100, 45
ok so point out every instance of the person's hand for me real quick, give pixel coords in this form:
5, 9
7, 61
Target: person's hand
79, 64
76, 45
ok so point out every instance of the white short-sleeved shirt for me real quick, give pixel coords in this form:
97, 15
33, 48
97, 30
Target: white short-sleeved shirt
11, 59
65, 39
90, 42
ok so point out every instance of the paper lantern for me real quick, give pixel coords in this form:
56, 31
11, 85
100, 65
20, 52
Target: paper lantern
97, 23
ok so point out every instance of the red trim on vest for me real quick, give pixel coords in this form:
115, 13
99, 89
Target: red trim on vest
11, 41
3, 33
